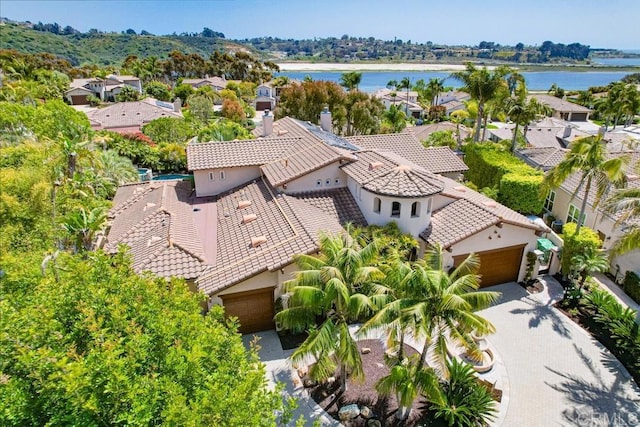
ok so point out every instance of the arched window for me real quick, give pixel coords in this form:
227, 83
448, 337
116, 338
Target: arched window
395, 210
415, 209
376, 204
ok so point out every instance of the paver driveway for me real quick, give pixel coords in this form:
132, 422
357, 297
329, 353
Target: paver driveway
558, 375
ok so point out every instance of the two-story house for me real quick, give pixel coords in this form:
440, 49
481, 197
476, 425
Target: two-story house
257, 203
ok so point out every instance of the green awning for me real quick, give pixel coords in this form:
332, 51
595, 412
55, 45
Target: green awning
545, 245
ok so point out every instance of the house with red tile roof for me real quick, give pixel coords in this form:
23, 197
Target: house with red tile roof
258, 203
128, 117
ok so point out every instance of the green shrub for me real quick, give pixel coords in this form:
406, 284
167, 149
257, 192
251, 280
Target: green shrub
577, 244
518, 184
631, 285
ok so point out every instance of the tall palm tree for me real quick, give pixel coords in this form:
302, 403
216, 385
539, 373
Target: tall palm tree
334, 286
522, 111
442, 306
625, 203
83, 225
405, 83
483, 86
435, 88
394, 86
351, 80
587, 156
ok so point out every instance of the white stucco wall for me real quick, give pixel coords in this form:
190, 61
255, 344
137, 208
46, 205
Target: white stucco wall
233, 178
406, 223
309, 182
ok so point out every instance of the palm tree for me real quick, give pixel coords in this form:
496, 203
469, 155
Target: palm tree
407, 380
351, 81
522, 111
590, 261
586, 156
556, 91
458, 117
625, 202
83, 226
483, 86
405, 83
116, 169
333, 285
464, 402
441, 306
435, 87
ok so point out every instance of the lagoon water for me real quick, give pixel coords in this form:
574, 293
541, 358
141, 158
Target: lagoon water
536, 80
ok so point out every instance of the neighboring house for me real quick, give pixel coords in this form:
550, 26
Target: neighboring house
258, 203
402, 100
127, 117
453, 101
105, 89
421, 133
547, 132
564, 202
217, 83
265, 97
563, 109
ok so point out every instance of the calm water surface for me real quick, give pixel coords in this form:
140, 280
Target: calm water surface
536, 80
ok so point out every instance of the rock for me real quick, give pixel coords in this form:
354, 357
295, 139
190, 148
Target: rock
365, 350
374, 423
331, 380
348, 412
379, 365
366, 412
308, 382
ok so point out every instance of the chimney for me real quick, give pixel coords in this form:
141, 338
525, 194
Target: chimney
177, 105
267, 123
325, 120
567, 132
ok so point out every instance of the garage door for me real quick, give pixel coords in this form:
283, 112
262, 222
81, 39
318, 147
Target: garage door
263, 105
497, 266
79, 100
254, 309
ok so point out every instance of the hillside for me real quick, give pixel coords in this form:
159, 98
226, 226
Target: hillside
107, 48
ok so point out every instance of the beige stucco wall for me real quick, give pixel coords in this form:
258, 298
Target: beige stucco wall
233, 178
508, 235
406, 223
309, 182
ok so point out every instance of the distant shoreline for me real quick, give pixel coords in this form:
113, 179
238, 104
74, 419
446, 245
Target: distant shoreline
408, 66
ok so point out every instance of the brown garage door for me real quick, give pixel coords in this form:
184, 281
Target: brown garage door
79, 100
497, 266
263, 105
254, 309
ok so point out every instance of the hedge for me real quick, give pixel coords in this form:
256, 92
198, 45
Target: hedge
518, 184
631, 285
574, 245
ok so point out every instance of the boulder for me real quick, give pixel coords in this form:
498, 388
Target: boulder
348, 412
365, 350
366, 412
308, 382
374, 423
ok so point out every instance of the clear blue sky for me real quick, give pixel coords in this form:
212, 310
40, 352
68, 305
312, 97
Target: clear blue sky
598, 23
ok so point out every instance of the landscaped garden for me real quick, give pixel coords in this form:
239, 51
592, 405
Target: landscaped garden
374, 381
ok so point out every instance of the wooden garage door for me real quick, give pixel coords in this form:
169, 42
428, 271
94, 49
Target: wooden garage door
497, 266
254, 309
263, 105
79, 100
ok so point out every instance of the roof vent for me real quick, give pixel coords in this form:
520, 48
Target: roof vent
149, 206
403, 168
490, 204
249, 218
285, 162
244, 204
257, 241
153, 239
282, 132
375, 165
460, 188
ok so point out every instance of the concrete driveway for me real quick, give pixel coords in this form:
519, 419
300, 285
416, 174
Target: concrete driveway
558, 375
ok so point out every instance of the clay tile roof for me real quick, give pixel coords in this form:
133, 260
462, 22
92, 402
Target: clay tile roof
290, 225
154, 220
126, 114
422, 132
457, 221
436, 159
396, 177
560, 104
301, 159
543, 158
224, 154
338, 203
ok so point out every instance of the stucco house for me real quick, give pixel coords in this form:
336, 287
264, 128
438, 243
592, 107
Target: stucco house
265, 97
215, 82
563, 109
407, 102
257, 203
546, 132
105, 89
564, 203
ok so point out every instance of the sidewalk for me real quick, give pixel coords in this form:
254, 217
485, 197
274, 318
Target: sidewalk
615, 290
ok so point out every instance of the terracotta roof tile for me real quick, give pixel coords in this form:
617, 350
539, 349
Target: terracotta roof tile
127, 114
422, 132
543, 158
338, 203
224, 154
436, 159
386, 174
